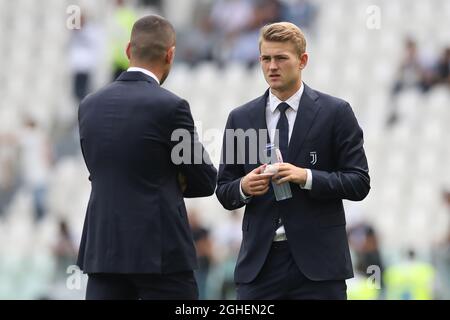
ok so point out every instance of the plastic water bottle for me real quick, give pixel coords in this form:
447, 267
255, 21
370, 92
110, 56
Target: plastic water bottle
281, 191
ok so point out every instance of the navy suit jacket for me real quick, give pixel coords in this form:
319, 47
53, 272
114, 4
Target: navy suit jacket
136, 218
314, 219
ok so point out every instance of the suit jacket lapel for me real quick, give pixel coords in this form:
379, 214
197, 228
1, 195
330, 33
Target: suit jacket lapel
306, 114
258, 112
258, 122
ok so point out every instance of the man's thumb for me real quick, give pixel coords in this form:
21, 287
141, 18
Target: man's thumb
260, 169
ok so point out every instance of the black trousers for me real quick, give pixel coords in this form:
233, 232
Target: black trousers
280, 278
172, 286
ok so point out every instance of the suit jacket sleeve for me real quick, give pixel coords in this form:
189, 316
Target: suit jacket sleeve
230, 172
190, 156
350, 179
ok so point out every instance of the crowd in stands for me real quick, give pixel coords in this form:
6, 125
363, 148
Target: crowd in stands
420, 70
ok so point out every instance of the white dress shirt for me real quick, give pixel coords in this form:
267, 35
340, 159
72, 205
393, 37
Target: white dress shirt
145, 71
273, 114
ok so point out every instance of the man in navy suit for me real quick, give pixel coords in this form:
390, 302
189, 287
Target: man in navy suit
295, 248
136, 242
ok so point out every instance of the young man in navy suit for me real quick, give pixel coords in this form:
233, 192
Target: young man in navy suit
295, 248
136, 242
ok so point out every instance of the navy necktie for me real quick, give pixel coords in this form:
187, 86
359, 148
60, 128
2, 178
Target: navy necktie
283, 130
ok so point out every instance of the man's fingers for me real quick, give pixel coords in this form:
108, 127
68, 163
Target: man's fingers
258, 188
282, 174
259, 178
282, 180
256, 183
260, 193
260, 169
284, 169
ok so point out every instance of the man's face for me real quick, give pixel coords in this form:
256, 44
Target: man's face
281, 65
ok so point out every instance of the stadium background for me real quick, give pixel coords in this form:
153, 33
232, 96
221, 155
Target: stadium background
357, 49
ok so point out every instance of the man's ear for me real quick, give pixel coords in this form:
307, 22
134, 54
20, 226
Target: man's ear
303, 61
128, 50
170, 56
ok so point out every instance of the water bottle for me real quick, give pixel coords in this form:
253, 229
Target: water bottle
281, 191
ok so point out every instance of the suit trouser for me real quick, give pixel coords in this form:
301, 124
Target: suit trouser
280, 278
172, 286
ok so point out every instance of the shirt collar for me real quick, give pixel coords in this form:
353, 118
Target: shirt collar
145, 71
293, 101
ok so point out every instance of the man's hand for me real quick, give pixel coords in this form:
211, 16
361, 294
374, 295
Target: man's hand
291, 173
256, 183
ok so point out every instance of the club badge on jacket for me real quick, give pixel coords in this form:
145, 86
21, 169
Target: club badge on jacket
313, 155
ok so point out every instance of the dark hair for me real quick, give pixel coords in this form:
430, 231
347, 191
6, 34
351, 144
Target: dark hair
151, 36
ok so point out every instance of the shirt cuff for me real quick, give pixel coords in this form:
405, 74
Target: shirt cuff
243, 196
308, 183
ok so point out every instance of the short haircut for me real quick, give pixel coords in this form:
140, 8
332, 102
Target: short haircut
151, 36
284, 32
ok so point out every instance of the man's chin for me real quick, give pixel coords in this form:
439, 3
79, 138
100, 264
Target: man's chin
275, 85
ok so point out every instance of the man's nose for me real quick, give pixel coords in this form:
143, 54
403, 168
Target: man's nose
273, 65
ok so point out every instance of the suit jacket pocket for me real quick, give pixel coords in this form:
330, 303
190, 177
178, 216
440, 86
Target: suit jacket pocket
332, 220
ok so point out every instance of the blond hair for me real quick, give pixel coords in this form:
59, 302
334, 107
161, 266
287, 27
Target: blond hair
284, 32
